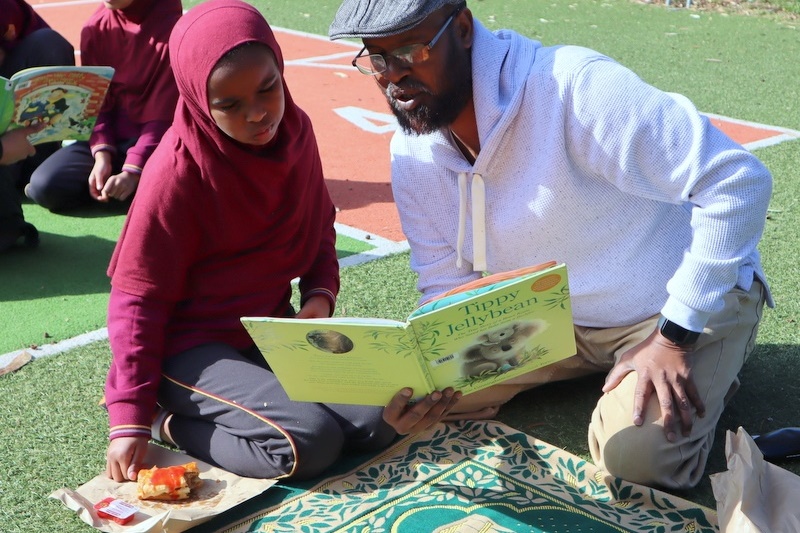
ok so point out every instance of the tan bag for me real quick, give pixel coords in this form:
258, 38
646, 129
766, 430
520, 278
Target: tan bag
755, 496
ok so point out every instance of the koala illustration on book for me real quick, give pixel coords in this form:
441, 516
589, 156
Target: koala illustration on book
498, 349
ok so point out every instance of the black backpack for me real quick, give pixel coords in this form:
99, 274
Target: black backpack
13, 228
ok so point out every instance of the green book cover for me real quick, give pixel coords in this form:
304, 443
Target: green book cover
468, 340
67, 100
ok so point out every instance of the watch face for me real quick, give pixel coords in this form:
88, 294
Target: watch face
677, 334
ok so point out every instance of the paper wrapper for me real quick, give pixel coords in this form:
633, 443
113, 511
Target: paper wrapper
754, 496
221, 490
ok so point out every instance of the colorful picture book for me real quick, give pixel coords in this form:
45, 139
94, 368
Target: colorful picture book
67, 100
478, 335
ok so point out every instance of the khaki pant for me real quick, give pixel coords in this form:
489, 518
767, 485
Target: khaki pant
643, 454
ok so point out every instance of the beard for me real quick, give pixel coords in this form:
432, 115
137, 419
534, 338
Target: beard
444, 106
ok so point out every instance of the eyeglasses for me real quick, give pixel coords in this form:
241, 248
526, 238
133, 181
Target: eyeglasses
406, 56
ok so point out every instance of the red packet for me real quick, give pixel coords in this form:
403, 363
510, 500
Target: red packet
119, 511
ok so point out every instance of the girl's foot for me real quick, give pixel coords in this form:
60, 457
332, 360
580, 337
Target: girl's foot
160, 428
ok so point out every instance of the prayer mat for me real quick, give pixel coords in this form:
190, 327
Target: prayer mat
476, 477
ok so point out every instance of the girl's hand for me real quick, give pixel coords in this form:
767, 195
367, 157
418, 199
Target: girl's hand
413, 418
315, 307
124, 458
99, 174
121, 186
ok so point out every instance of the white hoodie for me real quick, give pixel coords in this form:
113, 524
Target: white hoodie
651, 207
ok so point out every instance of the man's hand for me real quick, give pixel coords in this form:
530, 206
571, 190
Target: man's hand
405, 418
665, 369
16, 145
124, 458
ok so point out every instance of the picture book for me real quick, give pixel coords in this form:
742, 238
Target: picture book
66, 100
478, 335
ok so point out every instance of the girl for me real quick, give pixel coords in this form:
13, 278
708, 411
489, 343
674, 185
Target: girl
232, 207
131, 36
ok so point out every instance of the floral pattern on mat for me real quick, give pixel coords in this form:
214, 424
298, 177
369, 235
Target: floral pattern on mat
479, 476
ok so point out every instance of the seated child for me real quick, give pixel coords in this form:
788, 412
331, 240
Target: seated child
26, 41
132, 37
232, 206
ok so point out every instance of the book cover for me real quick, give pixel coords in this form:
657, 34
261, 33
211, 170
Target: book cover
472, 338
66, 99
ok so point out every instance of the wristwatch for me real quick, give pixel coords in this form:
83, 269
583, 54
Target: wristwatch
677, 334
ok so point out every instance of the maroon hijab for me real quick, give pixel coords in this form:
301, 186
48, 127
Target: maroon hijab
217, 221
134, 41
210, 30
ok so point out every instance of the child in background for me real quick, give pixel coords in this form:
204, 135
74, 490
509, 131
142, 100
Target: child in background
27, 41
132, 37
14, 147
232, 206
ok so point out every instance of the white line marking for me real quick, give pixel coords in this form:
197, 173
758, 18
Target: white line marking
305, 63
58, 347
772, 141
383, 248
756, 125
65, 4
327, 57
298, 33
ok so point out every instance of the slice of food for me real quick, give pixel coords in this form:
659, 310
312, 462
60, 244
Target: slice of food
169, 483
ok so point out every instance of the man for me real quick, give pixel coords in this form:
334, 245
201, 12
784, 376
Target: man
510, 153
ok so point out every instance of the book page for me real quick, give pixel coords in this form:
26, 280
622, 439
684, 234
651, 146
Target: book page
67, 100
498, 332
352, 361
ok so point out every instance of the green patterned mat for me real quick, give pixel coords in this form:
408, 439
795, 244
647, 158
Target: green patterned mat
478, 477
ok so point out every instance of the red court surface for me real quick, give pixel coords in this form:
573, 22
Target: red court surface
352, 121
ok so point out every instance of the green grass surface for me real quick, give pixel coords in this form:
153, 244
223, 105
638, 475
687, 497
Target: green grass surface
50, 419
60, 290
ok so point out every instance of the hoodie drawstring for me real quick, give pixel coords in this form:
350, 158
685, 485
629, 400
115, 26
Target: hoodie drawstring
462, 215
478, 220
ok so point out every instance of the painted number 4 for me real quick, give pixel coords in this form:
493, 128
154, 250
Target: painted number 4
367, 120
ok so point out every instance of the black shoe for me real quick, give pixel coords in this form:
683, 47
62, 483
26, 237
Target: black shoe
30, 235
782, 443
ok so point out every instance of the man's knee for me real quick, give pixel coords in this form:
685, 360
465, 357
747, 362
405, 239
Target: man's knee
642, 454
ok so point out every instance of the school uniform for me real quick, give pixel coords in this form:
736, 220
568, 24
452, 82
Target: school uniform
138, 107
218, 230
27, 41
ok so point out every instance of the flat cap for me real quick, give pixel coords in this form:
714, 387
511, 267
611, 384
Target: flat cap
381, 18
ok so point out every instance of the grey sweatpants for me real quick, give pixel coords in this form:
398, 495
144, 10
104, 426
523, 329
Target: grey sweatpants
229, 410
